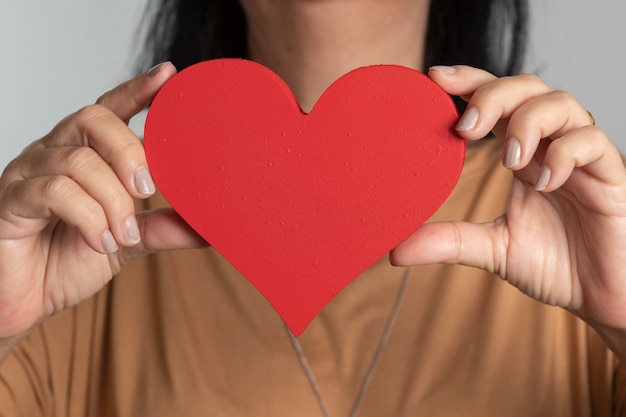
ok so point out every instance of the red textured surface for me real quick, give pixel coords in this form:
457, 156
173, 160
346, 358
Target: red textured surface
302, 203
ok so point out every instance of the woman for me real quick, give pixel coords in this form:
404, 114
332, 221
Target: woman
182, 333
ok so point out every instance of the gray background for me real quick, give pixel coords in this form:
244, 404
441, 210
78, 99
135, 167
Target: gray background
57, 56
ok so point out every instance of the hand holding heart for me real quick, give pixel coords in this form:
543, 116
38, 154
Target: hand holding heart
66, 202
564, 245
67, 216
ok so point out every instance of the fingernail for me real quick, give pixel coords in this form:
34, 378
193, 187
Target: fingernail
155, 70
543, 178
143, 181
108, 242
468, 120
443, 68
131, 230
512, 153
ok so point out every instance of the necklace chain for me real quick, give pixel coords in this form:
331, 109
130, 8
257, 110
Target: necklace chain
375, 359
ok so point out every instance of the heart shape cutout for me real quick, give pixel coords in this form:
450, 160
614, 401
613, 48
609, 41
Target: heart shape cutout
300, 203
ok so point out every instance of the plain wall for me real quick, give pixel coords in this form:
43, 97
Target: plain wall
58, 56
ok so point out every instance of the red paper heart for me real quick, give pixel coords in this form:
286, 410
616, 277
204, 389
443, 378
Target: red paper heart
302, 203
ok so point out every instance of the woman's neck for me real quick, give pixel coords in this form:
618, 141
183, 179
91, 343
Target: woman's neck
311, 43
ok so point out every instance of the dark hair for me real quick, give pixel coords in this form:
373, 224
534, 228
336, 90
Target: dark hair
488, 34
189, 31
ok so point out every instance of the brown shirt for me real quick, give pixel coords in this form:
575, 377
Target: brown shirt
183, 334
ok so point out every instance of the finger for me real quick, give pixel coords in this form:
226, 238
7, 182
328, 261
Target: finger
490, 99
548, 115
162, 229
477, 245
98, 128
129, 98
460, 80
85, 167
588, 148
33, 203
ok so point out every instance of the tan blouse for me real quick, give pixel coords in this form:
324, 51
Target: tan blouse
183, 334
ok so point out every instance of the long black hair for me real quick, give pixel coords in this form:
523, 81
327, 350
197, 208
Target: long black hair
488, 34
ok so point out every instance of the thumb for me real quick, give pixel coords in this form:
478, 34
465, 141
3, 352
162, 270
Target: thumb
161, 230
470, 244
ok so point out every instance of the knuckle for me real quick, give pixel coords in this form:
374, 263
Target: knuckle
61, 190
17, 164
566, 99
597, 135
90, 114
7, 192
12, 168
562, 96
530, 78
131, 147
119, 201
458, 243
55, 187
78, 157
532, 81
529, 85
92, 213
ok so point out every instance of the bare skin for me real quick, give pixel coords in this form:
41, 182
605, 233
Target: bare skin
560, 241
67, 222
312, 43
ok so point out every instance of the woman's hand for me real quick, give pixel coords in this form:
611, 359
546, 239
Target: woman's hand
562, 240
67, 217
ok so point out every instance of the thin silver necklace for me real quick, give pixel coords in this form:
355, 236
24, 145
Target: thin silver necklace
370, 370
